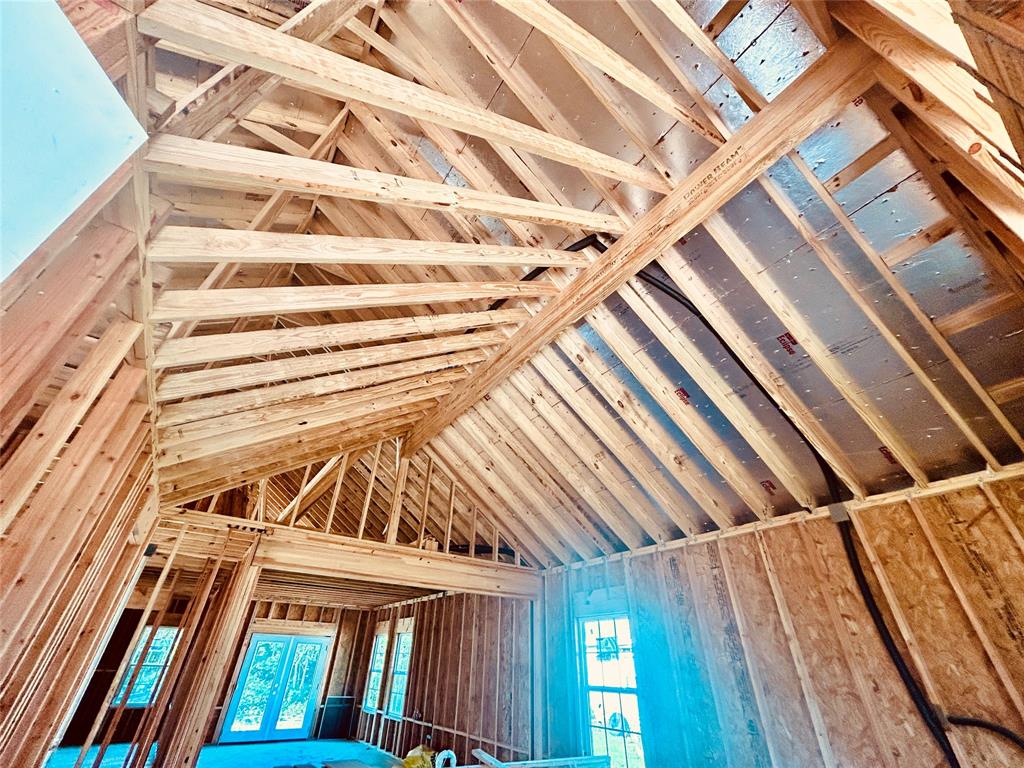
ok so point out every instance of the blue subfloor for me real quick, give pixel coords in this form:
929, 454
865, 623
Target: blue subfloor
268, 755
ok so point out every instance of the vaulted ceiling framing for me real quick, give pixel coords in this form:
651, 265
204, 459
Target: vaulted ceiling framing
361, 315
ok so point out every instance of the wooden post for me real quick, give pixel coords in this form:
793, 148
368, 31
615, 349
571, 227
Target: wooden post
337, 489
396, 499
425, 507
472, 534
369, 491
298, 497
451, 516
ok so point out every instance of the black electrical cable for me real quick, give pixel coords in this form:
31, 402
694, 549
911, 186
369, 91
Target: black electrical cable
974, 722
831, 479
917, 695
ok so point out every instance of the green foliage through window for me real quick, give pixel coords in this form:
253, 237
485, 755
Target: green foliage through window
400, 675
147, 681
373, 681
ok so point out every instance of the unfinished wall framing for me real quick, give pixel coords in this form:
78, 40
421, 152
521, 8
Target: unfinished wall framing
756, 648
443, 314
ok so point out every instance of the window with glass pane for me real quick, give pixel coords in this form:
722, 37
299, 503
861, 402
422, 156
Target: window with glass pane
147, 681
373, 680
609, 681
400, 674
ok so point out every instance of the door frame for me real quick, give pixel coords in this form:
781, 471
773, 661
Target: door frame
278, 627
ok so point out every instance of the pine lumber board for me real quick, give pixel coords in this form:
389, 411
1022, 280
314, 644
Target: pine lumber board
194, 350
207, 162
187, 245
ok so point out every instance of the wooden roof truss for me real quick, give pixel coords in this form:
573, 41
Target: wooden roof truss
354, 297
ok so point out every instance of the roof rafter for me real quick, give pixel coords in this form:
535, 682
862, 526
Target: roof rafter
843, 73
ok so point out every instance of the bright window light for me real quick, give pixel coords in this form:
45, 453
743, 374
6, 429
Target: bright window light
147, 681
610, 690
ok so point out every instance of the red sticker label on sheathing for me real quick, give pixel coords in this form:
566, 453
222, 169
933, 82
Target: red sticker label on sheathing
888, 454
683, 395
769, 486
788, 341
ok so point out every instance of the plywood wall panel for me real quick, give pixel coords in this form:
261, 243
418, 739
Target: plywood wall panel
702, 735
726, 664
772, 655
788, 729
901, 736
817, 629
962, 676
648, 611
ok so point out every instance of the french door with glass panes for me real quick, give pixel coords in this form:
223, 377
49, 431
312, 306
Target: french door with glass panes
277, 690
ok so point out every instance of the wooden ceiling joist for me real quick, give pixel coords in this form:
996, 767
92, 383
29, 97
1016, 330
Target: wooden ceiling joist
221, 405
208, 30
194, 350
183, 245
191, 159
218, 304
194, 383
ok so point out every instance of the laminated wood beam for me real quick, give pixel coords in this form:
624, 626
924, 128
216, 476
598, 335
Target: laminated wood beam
203, 161
226, 346
843, 73
187, 245
208, 30
195, 383
224, 303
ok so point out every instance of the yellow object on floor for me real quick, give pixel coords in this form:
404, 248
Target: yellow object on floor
418, 758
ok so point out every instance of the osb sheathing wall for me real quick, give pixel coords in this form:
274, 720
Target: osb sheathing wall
469, 679
757, 650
